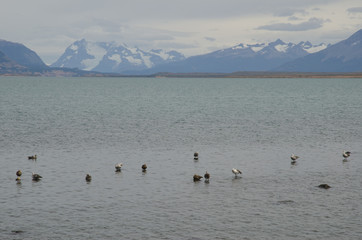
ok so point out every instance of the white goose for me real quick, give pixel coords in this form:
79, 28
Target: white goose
118, 167
346, 154
236, 172
294, 157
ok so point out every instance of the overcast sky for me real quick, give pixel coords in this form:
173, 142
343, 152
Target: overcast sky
189, 26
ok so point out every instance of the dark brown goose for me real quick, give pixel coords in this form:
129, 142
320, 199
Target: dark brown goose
197, 178
36, 177
207, 176
88, 178
325, 186
34, 157
144, 167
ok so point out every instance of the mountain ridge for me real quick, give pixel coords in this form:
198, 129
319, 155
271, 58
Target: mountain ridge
242, 57
344, 56
112, 57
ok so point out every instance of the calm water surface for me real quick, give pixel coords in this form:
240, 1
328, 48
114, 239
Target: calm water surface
87, 125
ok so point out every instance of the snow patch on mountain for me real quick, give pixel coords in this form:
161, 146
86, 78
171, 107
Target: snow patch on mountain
133, 60
310, 48
162, 54
281, 48
147, 60
74, 48
116, 58
257, 48
97, 52
315, 49
356, 43
240, 46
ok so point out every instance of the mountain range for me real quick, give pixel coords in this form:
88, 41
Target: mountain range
344, 56
83, 58
243, 57
112, 57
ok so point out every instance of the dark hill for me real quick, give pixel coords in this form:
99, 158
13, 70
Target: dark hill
8, 66
21, 55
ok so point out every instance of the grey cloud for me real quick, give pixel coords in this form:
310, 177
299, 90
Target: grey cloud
293, 18
355, 10
287, 12
177, 45
210, 39
312, 23
205, 9
143, 10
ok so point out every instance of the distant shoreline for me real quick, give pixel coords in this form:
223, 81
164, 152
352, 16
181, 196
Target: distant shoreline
60, 73
259, 75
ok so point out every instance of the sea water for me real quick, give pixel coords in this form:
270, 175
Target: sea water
77, 126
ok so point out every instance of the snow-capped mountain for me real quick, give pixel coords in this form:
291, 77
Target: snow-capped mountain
344, 56
242, 57
274, 48
110, 57
113, 57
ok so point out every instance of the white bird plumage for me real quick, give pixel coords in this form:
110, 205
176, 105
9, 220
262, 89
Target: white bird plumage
294, 157
346, 154
118, 167
236, 172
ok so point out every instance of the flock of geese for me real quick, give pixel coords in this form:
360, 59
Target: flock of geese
345, 155
207, 175
36, 177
